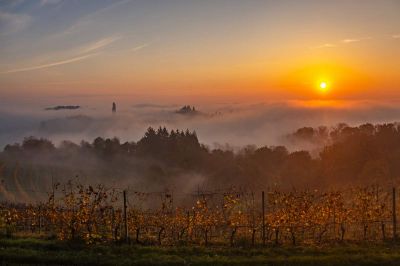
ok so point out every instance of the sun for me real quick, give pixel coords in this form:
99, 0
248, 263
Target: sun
323, 86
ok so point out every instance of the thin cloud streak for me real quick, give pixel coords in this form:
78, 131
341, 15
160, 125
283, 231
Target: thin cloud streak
344, 41
350, 40
83, 53
325, 45
99, 44
59, 63
140, 47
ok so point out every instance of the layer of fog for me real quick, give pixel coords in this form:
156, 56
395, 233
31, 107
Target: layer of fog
219, 125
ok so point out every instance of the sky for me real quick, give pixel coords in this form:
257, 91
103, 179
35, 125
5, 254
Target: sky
200, 51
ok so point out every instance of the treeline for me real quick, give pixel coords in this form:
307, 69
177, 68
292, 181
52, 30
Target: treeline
176, 148
162, 158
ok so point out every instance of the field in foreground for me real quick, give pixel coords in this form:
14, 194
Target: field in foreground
49, 252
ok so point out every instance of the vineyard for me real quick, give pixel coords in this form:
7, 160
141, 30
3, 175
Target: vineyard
236, 217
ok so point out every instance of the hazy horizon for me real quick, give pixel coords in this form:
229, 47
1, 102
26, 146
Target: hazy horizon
230, 123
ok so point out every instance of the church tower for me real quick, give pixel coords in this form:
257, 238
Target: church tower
114, 108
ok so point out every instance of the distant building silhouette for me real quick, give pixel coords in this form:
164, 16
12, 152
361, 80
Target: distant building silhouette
114, 107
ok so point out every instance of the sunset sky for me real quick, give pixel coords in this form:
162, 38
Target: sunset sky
167, 49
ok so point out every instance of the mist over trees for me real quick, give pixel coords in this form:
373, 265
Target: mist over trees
176, 159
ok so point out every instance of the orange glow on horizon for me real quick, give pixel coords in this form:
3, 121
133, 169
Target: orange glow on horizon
324, 103
322, 80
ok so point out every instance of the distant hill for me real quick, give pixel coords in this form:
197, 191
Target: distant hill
63, 107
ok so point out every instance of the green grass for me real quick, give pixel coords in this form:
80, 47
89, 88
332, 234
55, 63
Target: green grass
29, 251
